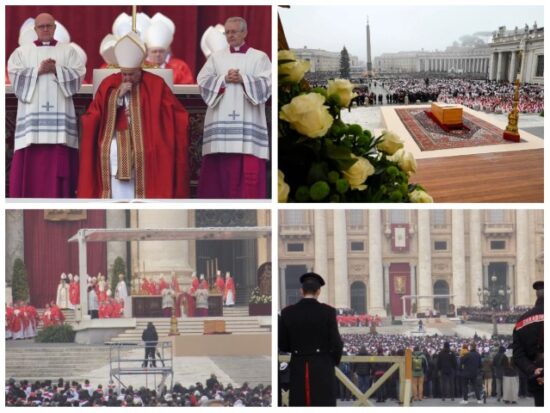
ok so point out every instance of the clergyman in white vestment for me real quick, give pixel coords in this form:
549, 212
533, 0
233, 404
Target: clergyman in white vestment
235, 83
45, 74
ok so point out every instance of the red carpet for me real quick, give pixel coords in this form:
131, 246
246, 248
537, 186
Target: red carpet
430, 137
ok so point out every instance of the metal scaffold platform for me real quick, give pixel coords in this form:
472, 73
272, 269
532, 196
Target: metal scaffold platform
124, 361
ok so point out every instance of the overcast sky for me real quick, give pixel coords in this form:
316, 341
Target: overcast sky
397, 28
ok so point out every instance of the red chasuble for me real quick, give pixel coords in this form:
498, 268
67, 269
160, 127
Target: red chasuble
159, 140
182, 72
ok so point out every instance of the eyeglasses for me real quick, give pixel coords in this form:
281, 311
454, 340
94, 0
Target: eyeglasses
45, 26
230, 32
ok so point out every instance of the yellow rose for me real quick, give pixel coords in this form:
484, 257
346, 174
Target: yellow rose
420, 196
343, 89
358, 173
308, 115
390, 143
294, 71
284, 189
405, 160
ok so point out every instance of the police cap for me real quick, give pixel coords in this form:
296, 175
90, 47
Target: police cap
312, 278
538, 285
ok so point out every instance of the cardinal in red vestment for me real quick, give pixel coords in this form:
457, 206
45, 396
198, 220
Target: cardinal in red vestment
74, 291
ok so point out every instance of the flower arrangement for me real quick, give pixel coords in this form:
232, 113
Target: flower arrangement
323, 159
256, 297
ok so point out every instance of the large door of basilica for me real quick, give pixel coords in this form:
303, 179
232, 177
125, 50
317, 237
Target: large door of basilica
400, 285
239, 257
48, 254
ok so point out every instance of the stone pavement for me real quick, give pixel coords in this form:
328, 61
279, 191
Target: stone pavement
187, 370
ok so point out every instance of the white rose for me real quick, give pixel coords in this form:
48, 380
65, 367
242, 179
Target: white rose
343, 89
358, 173
284, 189
307, 115
295, 70
420, 196
405, 160
391, 143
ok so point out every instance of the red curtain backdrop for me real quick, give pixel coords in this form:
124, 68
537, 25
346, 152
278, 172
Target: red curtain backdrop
400, 270
48, 254
88, 25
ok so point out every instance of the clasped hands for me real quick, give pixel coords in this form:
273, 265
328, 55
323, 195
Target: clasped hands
125, 87
233, 76
47, 66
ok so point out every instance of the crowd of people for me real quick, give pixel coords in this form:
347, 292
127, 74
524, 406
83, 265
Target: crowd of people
72, 393
443, 367
484, 95
485, 314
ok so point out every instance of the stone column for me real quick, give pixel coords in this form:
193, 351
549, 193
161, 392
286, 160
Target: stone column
532, 251
341, 287
321, 251
522, 259
459, 264
424, 276
263, 244
386, 268
375, 293
116, 218
512, 70
282, 286
163, 257
499, 65
492, 66
476, 269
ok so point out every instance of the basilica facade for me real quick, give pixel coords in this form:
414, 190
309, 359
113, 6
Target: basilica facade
507, 54
371, 259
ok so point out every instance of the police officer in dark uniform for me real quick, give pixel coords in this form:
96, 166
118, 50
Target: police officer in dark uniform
528, 345
308, 330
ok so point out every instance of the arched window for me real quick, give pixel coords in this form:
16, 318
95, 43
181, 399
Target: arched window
439, 217
495, 216
399, 216
355, 217
295, 217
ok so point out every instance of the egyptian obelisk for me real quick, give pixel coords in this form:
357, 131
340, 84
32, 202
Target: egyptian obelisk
369, 61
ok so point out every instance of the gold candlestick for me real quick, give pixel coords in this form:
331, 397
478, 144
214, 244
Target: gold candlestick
511, 133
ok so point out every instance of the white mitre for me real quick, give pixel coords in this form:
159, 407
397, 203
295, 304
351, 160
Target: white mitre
130, 51
26, 32
107, 49
161, 18
61, 33
80, 51
158, 35
213, 40
123, 25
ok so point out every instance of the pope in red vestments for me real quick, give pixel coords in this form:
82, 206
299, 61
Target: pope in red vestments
158, 134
